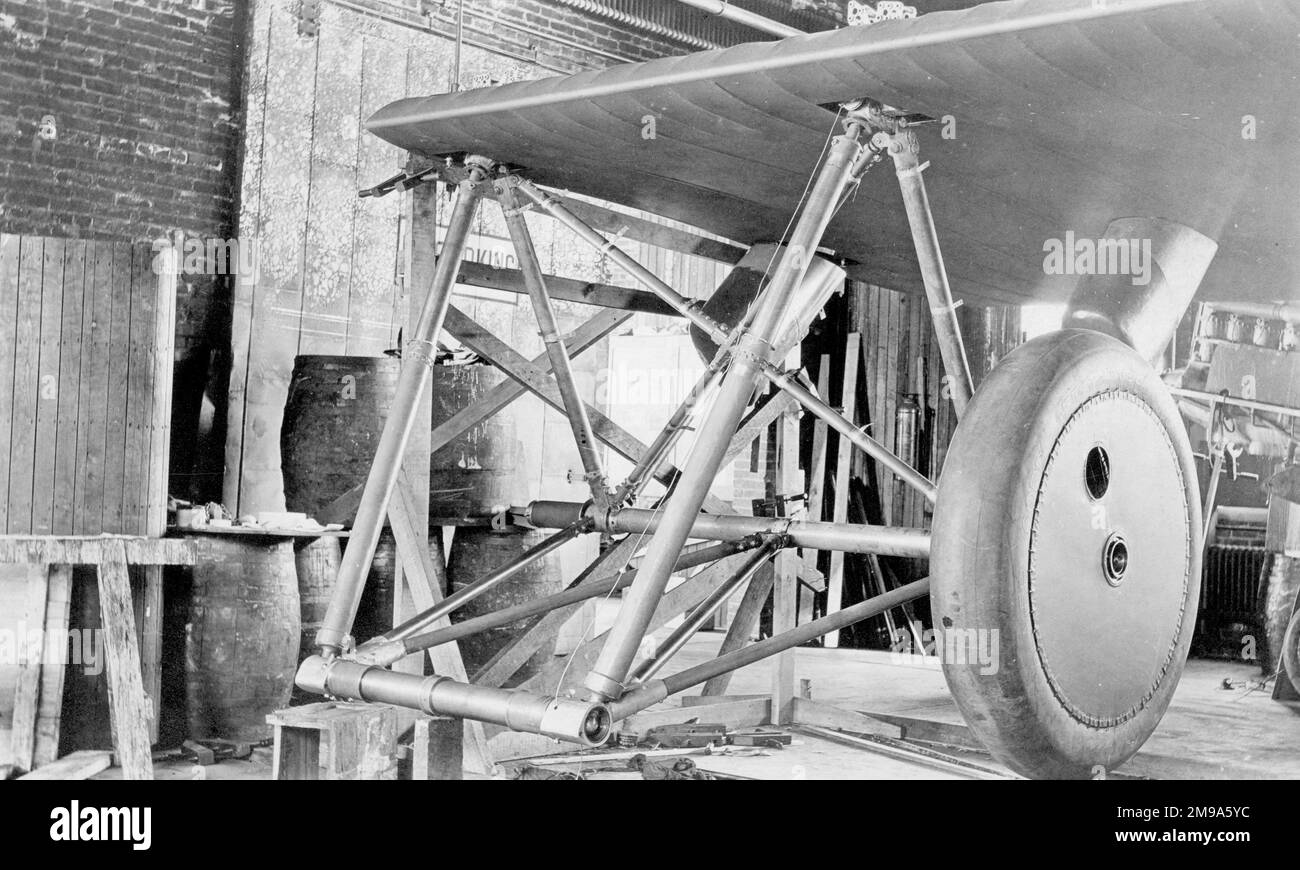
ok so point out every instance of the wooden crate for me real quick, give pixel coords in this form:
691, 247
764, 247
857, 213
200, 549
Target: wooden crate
333, 740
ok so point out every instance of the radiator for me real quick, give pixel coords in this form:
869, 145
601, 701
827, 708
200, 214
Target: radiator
1228, 624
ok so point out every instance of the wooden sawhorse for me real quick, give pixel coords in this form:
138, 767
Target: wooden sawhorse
39, 693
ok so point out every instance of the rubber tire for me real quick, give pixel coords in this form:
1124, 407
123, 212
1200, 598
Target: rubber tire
980, 550
1291, 651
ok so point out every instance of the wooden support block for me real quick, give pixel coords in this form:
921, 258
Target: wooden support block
76, 765
439, 749
335, 741
127, 698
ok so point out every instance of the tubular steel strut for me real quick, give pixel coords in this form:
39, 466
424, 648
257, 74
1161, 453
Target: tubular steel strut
417, 359
744, 357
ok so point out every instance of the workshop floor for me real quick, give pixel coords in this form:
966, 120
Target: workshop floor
1209, 731
1221, 725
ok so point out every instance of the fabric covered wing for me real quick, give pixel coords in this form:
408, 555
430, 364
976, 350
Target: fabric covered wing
1066, 113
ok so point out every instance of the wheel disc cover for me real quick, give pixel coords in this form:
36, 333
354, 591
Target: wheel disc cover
1109, 559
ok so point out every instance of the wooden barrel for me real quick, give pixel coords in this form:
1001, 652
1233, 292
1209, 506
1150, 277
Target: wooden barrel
482, 469
333, 418
475, 550
316, 564
242, 640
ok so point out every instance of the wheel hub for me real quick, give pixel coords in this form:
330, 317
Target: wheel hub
1109, 559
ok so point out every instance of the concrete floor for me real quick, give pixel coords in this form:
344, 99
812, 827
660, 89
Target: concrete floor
1209, 732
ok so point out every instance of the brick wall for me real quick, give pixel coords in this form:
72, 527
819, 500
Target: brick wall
143, 94
144, 99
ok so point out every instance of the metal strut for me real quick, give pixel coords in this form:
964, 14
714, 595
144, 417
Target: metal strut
751, 350
691, 311
561, 367
417, 359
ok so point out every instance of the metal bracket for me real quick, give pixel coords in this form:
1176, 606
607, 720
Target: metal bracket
402, 181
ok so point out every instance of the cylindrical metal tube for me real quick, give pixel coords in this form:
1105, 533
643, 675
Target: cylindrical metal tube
1289, 311
705, 609
655, 691
575, 410
934, 276
752, 348
580, 722
685, 307
732, 12
856, 436
466, 594
417, 357
846, 537
690, 559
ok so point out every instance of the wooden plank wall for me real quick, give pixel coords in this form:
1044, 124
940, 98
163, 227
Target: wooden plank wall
898, 348
330, 276
86, 342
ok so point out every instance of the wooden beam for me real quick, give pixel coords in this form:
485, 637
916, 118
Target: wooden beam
807, 712
148, 602
426, 580
770, 407
840, 509
50, 712
27, 691
566, 289
87, 550
77, 765
586, 336
785, 585
744, 625
126, 695
816, 481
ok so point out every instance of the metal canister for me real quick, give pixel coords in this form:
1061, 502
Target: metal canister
906, 420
